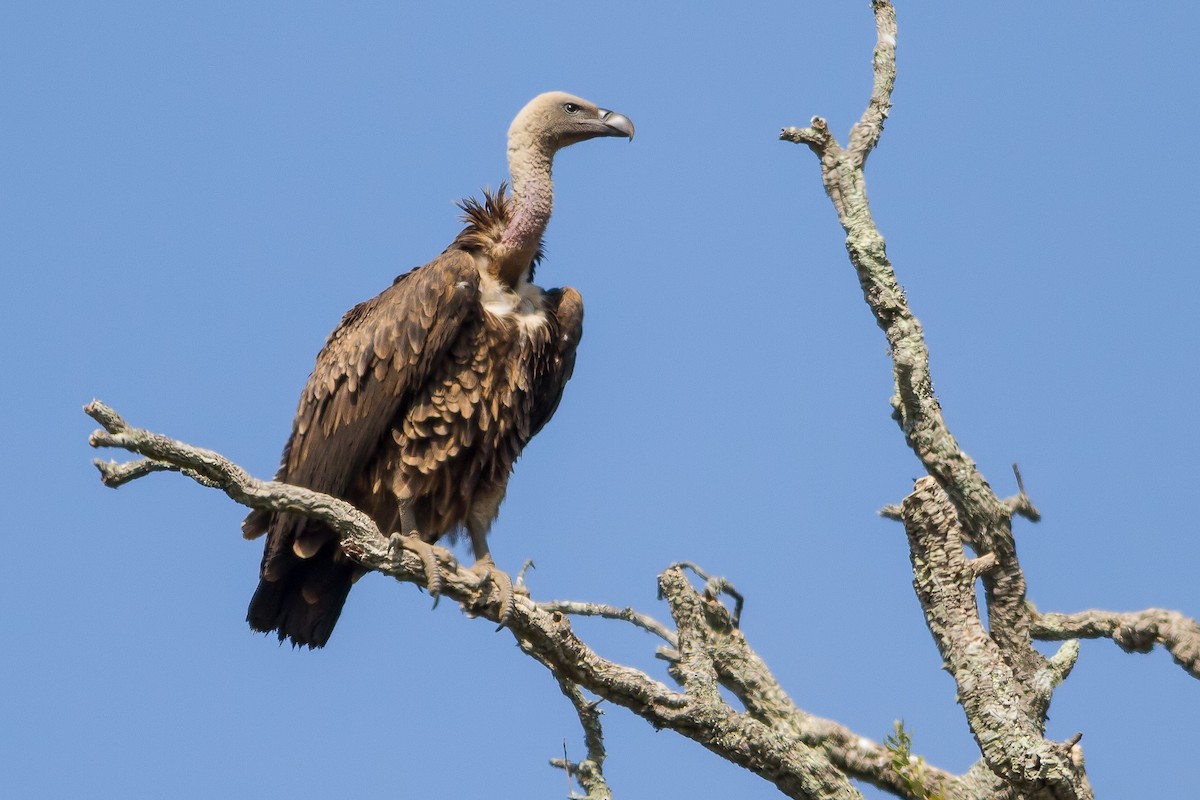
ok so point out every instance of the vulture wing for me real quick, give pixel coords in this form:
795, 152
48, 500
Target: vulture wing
381, 353
566, 308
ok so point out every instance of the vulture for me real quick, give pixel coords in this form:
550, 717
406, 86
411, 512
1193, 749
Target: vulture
424, 396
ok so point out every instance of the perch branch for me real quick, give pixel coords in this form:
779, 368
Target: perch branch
215, 471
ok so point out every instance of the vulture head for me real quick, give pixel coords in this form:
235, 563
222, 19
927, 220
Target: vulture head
547, 123
554, 120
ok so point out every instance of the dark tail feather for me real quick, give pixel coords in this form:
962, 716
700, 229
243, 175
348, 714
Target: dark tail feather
304, 604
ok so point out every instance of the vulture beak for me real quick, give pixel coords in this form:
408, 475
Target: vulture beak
616, 124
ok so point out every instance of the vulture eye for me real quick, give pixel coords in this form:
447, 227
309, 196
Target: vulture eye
570, 108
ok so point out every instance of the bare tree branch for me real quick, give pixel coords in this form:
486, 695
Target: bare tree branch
114, 475
1020, 504
627, 614
215, 471
715, 586
742, 672
865, 133
590, 771
985, 518
1007, 729
997, 668
1134, 632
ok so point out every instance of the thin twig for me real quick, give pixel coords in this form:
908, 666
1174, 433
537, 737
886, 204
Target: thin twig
1021, 505
114, 475
590, 771
643, 621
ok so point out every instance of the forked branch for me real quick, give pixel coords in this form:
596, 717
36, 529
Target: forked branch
969, 512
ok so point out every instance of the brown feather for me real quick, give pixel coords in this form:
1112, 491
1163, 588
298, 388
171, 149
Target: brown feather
485, 227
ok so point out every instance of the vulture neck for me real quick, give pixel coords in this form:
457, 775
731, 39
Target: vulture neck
533, 198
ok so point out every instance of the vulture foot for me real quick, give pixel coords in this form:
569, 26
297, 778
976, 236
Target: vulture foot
488, 572
434, 579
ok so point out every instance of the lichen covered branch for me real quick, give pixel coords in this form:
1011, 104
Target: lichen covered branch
916, 408
1004, 715
590, 771
1134, 632
215, 471
981, 519
986, 520
866, 132
646, 623
114, 475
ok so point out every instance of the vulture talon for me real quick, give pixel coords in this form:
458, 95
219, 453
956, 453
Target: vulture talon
508, 599
488, 572
434, 578
482, 571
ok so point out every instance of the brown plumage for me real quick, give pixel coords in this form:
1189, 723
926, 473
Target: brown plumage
424, 396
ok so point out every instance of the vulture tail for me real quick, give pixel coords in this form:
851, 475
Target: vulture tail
304, 603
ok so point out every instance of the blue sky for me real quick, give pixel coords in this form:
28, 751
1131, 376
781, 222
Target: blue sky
194, 193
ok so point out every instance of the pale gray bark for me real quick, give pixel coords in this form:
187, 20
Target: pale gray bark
1134, 632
